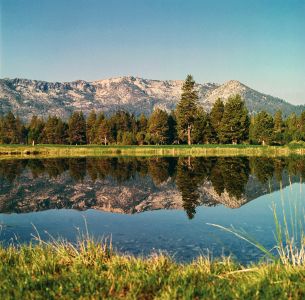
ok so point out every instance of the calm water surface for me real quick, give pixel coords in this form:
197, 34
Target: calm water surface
151, 204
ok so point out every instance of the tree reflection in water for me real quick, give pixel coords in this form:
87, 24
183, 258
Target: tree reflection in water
227, 175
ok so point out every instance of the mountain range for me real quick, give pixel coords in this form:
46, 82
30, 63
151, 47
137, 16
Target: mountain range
26, 97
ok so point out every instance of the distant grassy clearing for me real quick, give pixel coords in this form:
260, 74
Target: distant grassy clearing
166, 150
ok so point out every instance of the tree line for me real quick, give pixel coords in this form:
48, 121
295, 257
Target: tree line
226, 123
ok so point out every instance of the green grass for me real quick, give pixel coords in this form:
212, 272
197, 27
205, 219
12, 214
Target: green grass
164, 150
90, 270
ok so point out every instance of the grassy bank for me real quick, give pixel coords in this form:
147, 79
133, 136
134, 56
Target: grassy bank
94, 271
168, 150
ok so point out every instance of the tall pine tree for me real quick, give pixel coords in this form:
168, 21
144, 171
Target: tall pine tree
77, 129
216, 115
91, 128
302, 125
11, 129
35, 130
235, 122
187, 110
104, 131
49, 131
263, 126
291, 130
61, 132
158, 127
278, 129
199, 129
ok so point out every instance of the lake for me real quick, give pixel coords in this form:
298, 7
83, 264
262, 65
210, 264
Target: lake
147, 205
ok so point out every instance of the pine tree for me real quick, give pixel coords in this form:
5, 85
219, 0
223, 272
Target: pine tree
104, 131
11, 131
211, 136
20, 131
187, 110
10, 128
263, 127
128, 138
120, 121
99, 119
35, 130
90, 127
61, 132
119, 137
140, 137
302, 125
199, 129
278, 121
278, 128
77, 129
291, 130
49, 131
142, 123
141, 129
216, 115
158, 127
133, 125
172, 128
234, 126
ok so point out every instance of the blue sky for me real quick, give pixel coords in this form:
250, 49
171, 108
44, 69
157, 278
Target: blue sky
258, 42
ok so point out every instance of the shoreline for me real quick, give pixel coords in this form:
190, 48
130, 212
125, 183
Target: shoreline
45, 151
89, 270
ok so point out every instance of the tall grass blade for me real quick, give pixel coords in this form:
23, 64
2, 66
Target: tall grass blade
247, 238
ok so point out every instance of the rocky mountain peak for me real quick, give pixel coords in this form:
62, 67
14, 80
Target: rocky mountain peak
137, 95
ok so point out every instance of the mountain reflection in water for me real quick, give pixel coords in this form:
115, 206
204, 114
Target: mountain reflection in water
133, 185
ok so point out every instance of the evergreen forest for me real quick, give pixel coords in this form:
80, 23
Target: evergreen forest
189, 123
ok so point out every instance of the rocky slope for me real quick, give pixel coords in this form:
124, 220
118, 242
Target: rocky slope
136, 95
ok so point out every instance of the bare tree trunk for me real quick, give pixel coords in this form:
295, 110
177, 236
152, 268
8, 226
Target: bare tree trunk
189, 134
105, 140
